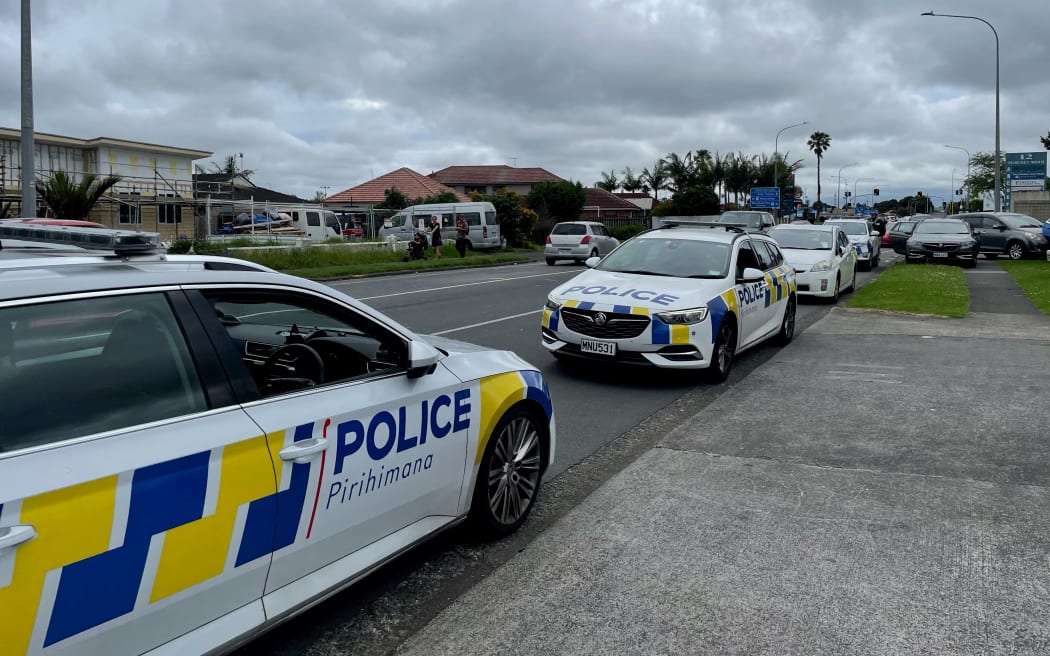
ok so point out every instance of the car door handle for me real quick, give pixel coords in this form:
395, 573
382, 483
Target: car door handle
12, 536
304, 451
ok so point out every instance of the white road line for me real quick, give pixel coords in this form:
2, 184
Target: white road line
485, 323
466, 284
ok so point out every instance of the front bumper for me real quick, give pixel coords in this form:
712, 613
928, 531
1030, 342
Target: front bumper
815, 283
657, 344
941, 253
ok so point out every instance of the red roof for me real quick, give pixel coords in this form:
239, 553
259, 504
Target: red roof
497, 175
413, 185
607, 201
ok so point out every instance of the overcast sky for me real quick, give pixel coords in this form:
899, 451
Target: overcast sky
330, 92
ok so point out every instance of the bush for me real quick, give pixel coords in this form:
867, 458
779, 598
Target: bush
623, 233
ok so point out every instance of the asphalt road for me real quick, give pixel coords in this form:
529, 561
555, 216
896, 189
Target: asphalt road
606, 418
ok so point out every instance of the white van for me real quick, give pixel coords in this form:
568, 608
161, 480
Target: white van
318, 224
481, 217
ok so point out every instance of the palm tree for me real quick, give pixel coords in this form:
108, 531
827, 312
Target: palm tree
819, 142
609, 181
1045, 141
680, 171
656, 179
230, 170
631, 183
70, 200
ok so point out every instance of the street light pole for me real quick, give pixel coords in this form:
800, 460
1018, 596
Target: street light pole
776, 151
967, 167
838, 189
855, 186
28, 178
998, 181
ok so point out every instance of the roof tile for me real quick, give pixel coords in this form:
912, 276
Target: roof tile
497, 174
410, 183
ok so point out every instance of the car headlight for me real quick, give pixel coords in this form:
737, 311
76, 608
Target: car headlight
822, 266
694, 315
552, 304
968, 244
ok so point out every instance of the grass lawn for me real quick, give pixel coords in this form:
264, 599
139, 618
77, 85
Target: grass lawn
324, 263
1033, 276
918, 289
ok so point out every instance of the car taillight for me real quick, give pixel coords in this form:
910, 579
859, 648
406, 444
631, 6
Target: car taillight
586, 240
484, 231
549, 240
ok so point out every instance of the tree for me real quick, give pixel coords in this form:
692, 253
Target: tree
691, 201
609, 182
229, 168
557, 201
656, 179
515, 223
433, 199
71, 200
982, 174
819, 142
393, 199
631, 183
1045, 140
679, 171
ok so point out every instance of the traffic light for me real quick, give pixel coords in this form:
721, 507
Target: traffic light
876, 191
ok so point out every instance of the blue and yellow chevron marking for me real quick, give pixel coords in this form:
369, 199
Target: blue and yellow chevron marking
500, 392
97, 583
719, 307
550, 319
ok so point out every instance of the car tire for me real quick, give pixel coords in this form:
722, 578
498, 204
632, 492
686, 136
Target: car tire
723, 352
865, 265
838, 283
875, 262
509, 474
787, 324
970, 264
550, 261
1015, 250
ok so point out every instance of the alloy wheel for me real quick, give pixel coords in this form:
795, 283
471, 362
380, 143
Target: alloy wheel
1016, 251
514, 470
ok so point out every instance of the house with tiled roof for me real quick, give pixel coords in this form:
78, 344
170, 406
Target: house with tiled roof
487, 179
610, 209
641, 199
412, 184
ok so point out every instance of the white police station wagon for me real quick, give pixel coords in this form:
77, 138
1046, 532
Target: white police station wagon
193, 449
683, 296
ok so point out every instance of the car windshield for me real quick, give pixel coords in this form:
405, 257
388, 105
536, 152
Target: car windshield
903, 226
808, 240
569, 229
852, 228
680, 258
750, 219
1019, 221
942, 228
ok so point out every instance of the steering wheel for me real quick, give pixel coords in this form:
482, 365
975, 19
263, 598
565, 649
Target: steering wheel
302, 354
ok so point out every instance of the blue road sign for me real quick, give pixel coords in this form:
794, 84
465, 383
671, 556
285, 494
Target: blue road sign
1026, 166
765, 197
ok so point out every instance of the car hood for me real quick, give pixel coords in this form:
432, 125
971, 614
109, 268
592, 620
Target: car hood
1034, 231
798, 257
629, 290
858, 239
935, 238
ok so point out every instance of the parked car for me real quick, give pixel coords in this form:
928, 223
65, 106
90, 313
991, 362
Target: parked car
578, 241
825, 262
750, 220
898, 235
866, 240
683, 296
943, 240
1006, 233
202, 447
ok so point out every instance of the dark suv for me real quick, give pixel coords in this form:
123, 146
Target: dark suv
1006, 233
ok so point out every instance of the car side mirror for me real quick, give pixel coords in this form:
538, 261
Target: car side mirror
1000, 228
874, 233
751, 274
592, 262
422, 359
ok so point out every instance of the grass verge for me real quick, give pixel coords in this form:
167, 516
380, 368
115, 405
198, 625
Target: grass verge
917, 289
341, 270
1033, 276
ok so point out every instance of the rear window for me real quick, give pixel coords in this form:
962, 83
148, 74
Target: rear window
569, 229
490, 218
473, 218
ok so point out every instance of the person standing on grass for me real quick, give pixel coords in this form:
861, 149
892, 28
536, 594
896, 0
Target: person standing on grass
462, 230
435, 235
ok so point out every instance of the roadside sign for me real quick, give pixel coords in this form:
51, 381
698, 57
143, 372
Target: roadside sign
787, 202
765, 197
1026, 166
1030, 184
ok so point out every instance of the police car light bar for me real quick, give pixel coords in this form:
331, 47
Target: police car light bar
734, 227
118, 242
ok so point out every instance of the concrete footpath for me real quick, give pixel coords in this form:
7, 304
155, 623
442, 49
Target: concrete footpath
880, 486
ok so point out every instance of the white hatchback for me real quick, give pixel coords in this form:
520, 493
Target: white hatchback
578, 241
825, 262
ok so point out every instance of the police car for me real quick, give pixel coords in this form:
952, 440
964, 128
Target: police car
193, 448
866, 241
687, 295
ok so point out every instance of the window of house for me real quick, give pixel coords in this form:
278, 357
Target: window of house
92, 365
129, 209
168, 211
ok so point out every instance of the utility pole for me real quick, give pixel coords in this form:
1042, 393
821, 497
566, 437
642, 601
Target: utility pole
28, 181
